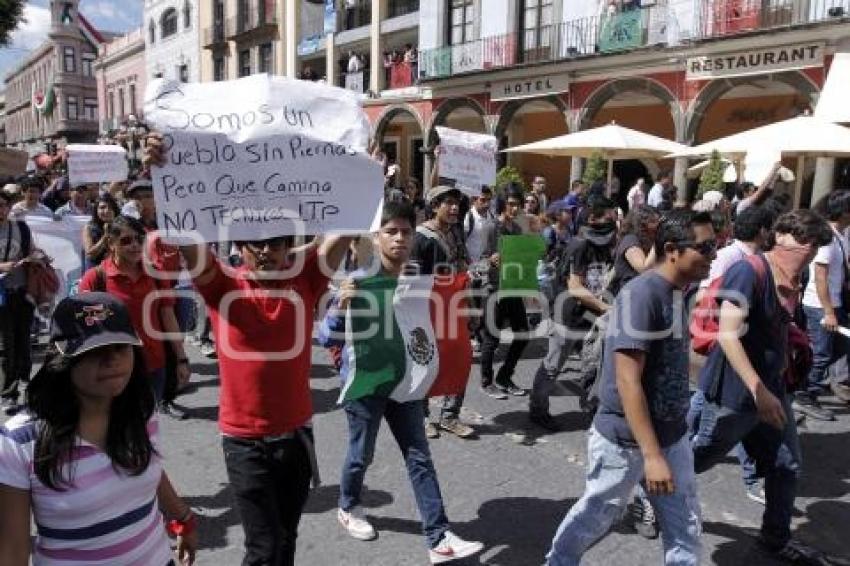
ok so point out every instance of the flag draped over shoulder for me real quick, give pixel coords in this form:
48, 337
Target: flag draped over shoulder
407, 338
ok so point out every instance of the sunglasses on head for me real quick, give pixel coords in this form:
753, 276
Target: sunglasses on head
273, 244
127, 240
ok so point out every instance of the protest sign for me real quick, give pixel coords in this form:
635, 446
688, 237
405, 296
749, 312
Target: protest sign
519, 256
62, 241
13, 162
96, 163
261, 157
469, 159
759, 163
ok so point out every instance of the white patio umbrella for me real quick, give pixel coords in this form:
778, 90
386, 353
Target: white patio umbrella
730, 174
611, 141
800, 137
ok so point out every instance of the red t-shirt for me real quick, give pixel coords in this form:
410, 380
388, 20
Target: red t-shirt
263, 391
132, 294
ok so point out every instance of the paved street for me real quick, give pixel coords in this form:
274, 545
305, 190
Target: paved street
508, 494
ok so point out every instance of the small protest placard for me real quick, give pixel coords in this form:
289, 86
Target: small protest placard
469, 159
759, 163
261, 157
519, 256
88, 163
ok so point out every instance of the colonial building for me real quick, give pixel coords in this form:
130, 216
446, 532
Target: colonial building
172, 39
51, 96
2, 118
120, 71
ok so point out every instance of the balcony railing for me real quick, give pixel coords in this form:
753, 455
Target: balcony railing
251, 19
357, 82
627, 30
398, 8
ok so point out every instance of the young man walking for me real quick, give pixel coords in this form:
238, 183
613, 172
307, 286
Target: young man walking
393, 242
639, 432
742, 382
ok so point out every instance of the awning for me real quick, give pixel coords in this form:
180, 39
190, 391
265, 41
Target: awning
832, 103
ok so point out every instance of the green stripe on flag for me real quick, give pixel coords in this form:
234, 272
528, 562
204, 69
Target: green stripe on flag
377, 357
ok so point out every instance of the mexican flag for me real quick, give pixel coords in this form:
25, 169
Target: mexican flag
407, 338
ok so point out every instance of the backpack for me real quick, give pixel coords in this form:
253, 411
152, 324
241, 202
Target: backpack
705, 319
592, 352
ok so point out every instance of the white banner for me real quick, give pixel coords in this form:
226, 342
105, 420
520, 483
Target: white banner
469, 159
261, 157
62, 241
96, 163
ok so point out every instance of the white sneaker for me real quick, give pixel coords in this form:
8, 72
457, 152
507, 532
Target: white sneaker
452, 547
355, 523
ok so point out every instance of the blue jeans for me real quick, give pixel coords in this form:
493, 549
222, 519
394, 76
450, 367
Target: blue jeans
612, 473
405, 420
827, 348
776, 453
748, 464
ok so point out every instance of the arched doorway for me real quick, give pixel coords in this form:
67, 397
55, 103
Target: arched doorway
729, 106
460, 114
530, 120
641, 104
399, 133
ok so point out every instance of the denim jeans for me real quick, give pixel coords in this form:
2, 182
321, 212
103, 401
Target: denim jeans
612, 473
405, 421
776, 453
508, 311
270, 482
827, 348
748, 464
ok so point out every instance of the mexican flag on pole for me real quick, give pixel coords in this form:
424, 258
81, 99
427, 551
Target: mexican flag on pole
406, 338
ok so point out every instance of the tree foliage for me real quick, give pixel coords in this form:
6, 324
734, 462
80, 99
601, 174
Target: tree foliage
711, 178
596, 169
11, 16
507, 175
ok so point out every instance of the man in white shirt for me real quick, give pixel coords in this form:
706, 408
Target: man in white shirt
538, 187
30, 205
823, 308
658, 190
473, 225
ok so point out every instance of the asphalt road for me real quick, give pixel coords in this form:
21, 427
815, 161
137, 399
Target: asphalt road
509, 487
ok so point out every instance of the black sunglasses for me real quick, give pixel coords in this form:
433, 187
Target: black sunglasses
127, 240
704, 248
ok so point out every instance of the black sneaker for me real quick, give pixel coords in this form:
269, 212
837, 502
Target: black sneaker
545, 421
511, 389
11, 408
808, 405
796, 552
171, 410
643, 518
494, 392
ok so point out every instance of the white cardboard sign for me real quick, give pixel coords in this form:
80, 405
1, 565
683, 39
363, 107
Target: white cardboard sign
469, 159
759, 163
261, 157
89, 163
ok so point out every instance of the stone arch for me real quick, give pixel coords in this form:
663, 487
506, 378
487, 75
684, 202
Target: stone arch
391, 112
609, 90
447, 107
711, 92
510, 108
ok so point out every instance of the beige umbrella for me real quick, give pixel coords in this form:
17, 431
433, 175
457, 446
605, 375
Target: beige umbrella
611, 141
730, 174
800, 137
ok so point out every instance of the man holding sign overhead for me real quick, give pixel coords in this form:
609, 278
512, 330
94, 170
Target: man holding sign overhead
257, 161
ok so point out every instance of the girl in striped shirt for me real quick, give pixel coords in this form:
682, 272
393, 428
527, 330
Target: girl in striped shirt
82, 460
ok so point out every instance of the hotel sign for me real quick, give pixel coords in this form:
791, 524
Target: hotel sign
755, 62
529, 88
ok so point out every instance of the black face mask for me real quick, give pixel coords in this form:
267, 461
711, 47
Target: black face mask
600, 233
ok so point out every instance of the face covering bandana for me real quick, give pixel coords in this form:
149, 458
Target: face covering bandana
600, 234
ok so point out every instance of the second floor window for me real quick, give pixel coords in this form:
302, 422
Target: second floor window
90, 108
244, 63
169, 23
218, 68
266, 58
88, 64
69, 60
536, 24
461, 21
132, 99
73, 108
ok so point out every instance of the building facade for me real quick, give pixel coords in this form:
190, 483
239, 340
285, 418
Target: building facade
51, 96
172, 39
2, 118
121, 79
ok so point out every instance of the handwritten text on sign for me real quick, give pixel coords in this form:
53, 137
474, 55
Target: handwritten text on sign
96, 163
261, 157
468, 158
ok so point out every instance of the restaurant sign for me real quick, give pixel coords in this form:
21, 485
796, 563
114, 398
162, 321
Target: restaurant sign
755, 62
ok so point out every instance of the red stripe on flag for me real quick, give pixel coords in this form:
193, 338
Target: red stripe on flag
450, 327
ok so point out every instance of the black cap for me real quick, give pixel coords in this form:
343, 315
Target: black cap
145, 184
91, 320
